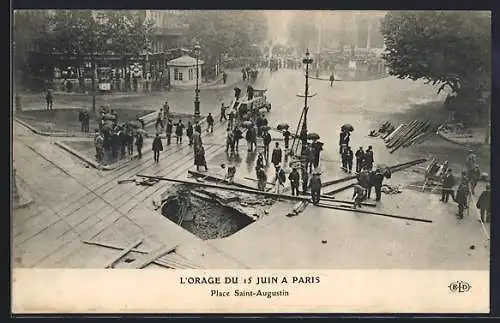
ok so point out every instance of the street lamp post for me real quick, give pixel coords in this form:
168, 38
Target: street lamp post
303, 133
197, 90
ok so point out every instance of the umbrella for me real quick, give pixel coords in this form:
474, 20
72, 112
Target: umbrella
282, 126
313, 136
347, 127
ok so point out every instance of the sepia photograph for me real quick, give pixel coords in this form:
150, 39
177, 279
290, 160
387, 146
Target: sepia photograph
365, 141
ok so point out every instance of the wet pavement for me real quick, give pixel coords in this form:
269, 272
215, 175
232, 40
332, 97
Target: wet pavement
359, 240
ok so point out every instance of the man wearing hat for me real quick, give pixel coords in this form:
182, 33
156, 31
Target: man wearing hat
262, 179
471, 160
344, 139
448, 182
277, 155
369, 158
157, 147
360, 157
279, 179
294, 181
484, 204
461, 198
98, 140
315, 187
266, 139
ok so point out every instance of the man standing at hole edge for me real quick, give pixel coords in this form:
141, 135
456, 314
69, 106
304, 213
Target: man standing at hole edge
360, 159
315, 187
294, 181
448, 182
279, 179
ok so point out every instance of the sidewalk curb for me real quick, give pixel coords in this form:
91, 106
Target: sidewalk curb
92, 162
53, 134
114, 166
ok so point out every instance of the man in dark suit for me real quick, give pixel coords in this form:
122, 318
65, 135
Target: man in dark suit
157, 147
448, 182
277, 155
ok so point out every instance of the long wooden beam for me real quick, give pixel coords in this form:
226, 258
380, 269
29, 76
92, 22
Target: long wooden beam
374, 213
165, 261
123, 253
327, 198
393, 168
158, 253
340, 189
230, 188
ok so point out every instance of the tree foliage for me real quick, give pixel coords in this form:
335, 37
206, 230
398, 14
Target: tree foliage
28, 30
302, 31
446, 48
84, 32
231, 32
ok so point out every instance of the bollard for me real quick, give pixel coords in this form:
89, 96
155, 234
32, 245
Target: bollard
18, 103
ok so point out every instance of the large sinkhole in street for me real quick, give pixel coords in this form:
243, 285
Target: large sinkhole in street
210, 213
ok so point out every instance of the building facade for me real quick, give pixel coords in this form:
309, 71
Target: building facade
150, 66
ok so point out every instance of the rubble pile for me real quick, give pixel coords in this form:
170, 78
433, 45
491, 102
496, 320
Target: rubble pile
211, 213
391, 189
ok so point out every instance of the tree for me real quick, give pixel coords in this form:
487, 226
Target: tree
231, 32
128, 34
29, 31
447, 48
302, 31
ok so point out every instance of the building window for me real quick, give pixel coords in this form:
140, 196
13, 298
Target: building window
176, 74
191, 74
180, 76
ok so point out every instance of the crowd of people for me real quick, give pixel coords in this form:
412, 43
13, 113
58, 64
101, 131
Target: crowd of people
112, 140
466, 187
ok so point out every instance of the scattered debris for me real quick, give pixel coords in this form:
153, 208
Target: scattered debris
324, 241
147, 182
130, 180
391, 189
472, 247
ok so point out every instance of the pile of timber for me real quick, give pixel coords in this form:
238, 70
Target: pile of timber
405, 135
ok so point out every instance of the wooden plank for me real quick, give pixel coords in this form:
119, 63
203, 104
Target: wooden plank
340, 189
393, 168
112, 246
164, 262
123, 253
394, 133
332, 199
235, 189
373, 213
160, 252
